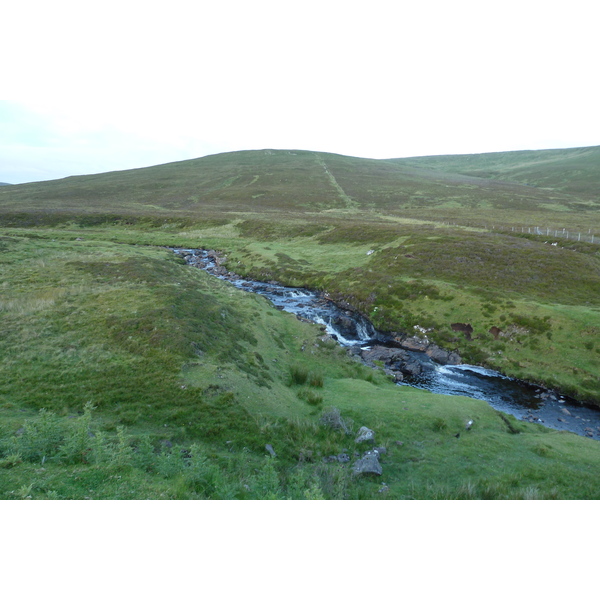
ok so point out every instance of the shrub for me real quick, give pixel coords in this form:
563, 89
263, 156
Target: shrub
265, 483
121, 452
316, 380
76, 447
144, 457
202, 476
40, 438
298, 375
8, 462
169, 464
311, 397
332, 419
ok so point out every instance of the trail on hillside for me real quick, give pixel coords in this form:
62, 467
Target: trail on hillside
348, 202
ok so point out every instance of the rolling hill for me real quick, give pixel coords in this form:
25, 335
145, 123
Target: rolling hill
300, 182
572, 170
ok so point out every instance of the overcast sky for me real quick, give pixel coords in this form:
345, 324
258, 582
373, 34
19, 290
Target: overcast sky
92, 86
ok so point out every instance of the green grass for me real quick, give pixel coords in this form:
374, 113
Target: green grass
183, 408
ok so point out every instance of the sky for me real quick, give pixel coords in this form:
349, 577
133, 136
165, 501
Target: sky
90, 87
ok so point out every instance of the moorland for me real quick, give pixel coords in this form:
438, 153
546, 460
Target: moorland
124, 373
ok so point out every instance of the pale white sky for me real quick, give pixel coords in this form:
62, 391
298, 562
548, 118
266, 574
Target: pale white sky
92, 86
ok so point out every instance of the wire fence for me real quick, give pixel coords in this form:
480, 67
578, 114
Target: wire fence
575, 236
589, 236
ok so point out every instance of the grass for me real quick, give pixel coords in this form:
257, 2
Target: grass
148, 342
190, 378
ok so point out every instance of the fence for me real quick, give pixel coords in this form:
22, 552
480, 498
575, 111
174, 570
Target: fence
575, 236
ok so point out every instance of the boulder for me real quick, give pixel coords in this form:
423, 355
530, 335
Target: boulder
388, 356
415, 343
365, 435
444, 357
368, 464
345, 326
395, 375
411, 367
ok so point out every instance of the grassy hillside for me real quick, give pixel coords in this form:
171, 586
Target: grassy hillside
267, 181
571, 170
190, 379
186, 380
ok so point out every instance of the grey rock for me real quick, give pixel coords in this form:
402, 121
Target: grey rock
365, 435
397, 376
368, 464
549, 395
270, 450
388, 356
412, 368
415, 343
444, 357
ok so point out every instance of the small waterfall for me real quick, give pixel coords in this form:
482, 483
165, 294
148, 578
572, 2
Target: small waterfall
366, 332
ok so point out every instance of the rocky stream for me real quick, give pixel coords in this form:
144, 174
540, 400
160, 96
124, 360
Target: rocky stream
413, 360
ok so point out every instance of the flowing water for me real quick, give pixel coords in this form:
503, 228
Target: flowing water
519, 398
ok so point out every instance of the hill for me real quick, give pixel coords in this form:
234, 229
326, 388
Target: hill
571, 170
267, 181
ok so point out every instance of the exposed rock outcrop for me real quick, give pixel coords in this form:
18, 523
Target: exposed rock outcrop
465, 328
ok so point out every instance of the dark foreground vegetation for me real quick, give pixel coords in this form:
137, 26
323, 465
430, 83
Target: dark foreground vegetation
124, 373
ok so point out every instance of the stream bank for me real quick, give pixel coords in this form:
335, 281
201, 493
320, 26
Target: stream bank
411, 360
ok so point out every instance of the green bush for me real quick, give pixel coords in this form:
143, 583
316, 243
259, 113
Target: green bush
39, 439
311, 397
316, 380
298, 375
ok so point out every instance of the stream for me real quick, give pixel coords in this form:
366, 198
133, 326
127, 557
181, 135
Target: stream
412, 361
